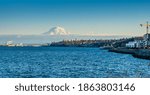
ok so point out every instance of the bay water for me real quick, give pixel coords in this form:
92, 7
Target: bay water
69, 62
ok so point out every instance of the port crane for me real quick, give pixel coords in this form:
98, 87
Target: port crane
147, 25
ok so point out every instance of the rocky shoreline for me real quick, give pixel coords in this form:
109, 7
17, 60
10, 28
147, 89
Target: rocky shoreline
142, 53
138, 53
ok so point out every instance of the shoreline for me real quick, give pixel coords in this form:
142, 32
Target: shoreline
137, 53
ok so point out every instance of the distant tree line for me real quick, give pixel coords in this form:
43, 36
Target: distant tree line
94, 43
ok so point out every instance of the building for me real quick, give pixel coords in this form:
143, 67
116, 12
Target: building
10, 43
140, 43
135, 44
19, 45
146, 39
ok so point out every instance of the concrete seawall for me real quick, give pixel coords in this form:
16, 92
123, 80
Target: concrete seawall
138, 53
142, 53
122, 50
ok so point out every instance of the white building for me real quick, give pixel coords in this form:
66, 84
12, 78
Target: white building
19, 45
10, 43
135, 44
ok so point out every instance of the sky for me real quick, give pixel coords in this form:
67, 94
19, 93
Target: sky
83, 17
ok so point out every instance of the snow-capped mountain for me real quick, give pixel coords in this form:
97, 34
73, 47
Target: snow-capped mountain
56, 31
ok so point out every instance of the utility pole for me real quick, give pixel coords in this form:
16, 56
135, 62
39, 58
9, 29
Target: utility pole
147, 30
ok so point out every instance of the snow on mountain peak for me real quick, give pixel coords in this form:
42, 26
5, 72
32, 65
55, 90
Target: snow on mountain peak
56, 31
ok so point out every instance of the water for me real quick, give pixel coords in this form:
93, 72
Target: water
69, 62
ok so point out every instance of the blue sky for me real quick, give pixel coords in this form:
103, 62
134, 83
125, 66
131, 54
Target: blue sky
98, 17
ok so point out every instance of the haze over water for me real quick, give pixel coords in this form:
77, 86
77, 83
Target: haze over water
40, 39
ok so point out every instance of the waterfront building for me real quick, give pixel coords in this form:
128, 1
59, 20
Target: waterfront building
135, 44
146, 39
142, 43
10, 43
19, 45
